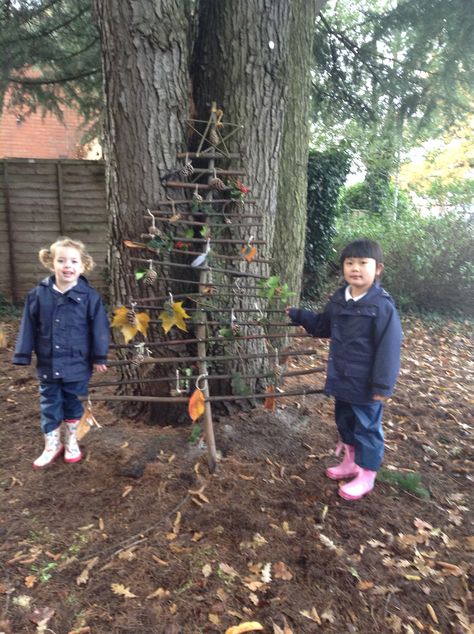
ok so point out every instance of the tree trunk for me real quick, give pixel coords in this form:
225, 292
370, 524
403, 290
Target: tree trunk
290, 225
146, 82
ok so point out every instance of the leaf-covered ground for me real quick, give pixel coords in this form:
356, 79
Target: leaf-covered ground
140, 538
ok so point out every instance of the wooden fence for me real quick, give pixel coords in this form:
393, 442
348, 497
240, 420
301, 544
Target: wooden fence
41, 200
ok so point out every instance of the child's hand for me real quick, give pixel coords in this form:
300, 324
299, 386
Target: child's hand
100, 367
287, 310
378, 397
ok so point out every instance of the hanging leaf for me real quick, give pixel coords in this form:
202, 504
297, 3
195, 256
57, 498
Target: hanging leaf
128, 330
196, 404
134, 245
199, 260
173, 315
140, 273
270, 402
249, 252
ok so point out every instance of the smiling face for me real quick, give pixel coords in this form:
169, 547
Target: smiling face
360, 274
67, 266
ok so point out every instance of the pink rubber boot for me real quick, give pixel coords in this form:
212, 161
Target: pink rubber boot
72, 453
347, 468
362, 484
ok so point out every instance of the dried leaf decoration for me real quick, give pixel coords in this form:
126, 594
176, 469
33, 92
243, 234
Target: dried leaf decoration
249, 252
127, 329
270, 402
196, 405
173, 315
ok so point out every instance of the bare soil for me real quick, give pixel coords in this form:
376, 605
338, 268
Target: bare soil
139, 537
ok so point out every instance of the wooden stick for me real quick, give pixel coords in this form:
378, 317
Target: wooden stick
210, 377
200, 186
220, 256
176, 342
217, 285
230, 357
219, 171
188, 201
212, 225
208, 155
185, 399
231, 272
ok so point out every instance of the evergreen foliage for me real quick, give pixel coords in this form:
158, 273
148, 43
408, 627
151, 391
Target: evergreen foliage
410, 482
327, 172
50, 56
429, 261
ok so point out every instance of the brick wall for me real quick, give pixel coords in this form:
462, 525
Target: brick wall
40, 137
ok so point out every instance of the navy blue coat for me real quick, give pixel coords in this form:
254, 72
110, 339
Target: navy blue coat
68, 332
366, 336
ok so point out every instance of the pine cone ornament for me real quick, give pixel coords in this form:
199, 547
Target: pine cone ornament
150, 277
154, 231
217, 183
137, 360
186, 170
132, 317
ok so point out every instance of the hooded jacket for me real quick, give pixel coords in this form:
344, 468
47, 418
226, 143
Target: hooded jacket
366, 337
68, 332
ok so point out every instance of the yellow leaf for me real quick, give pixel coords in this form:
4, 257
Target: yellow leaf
122, 591
128, 330
173, 315
280, 571
248, 626
134, 245
196, 405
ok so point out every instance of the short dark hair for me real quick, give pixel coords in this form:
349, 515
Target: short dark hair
362, 248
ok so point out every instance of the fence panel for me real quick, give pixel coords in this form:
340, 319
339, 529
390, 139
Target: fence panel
41, 200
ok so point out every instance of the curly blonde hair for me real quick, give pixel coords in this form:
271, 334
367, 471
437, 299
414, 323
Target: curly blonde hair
46, 256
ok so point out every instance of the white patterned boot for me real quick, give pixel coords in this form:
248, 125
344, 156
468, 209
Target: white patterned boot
53, 448
72, 453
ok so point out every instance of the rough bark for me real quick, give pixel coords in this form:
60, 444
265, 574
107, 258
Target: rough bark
240, 61
290, 222
146, 83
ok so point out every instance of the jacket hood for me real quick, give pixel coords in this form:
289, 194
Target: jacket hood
81, 286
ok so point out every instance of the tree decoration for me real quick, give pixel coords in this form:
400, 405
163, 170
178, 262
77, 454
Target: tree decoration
153, 229
140, 353
197, 402
249, 251
151, 275
237, 189
199, 261
173, 315
187, 169
122, 321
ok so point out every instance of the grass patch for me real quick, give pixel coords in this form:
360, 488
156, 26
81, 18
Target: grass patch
410, 482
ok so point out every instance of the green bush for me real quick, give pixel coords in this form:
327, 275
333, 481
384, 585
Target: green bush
429, 261
356, 198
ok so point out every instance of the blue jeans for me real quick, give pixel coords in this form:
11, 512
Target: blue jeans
360, 425
58, 402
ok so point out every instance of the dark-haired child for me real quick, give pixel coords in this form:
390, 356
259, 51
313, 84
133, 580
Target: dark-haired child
363, 364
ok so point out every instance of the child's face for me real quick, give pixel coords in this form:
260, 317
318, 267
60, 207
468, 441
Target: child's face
360, 274
67, 266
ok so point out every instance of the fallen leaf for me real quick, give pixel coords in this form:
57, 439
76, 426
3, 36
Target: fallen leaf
280, 571
127, 490
206, 570
432, 613
159, 593
228, 570
248, 626
41, 615
365, 585
312, 615
213, 618
196, 405
30, 581
122, 591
